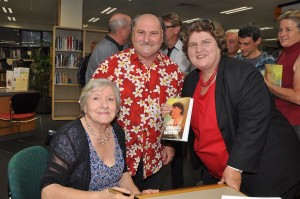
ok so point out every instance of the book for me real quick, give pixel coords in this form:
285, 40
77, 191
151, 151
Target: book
273, 73
177, 124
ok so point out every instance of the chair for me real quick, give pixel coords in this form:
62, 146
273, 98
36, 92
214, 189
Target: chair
23, 108
25, 170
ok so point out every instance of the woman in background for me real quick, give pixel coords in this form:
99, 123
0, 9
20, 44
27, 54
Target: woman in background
288, 95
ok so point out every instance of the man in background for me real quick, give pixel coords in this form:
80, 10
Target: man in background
249, 39
83, 66
173, 47
118, 35
147, 79
232, 42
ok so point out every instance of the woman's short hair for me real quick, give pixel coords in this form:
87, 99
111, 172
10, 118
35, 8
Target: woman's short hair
292, 15
180, 106
96, 84
212, 27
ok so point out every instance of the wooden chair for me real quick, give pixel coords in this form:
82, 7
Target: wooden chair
23, 108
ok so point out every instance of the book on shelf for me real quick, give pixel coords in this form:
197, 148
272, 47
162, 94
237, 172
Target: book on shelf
273, 72
177, 124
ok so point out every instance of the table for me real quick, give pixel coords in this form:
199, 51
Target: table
199, 192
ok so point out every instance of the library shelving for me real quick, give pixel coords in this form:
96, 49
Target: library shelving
70, 45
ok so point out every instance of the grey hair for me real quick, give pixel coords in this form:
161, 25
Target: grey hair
95, 84
115, 25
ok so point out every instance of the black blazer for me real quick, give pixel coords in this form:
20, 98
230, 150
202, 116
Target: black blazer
258, 138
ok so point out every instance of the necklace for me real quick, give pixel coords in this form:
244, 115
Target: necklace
205, 84
99, 140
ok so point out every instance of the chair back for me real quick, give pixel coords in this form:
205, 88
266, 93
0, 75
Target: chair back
25, 102
25, 170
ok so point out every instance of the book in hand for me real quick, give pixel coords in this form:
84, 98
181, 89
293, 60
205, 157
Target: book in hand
273, 73
177, 124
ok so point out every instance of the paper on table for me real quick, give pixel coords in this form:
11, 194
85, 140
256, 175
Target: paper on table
246, 197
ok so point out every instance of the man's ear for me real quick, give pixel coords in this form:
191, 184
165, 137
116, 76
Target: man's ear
258, 41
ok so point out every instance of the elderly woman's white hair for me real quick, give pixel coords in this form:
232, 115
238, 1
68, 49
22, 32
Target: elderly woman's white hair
96, 84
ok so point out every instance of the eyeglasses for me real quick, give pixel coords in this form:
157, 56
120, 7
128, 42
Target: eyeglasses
208, 24
171, 26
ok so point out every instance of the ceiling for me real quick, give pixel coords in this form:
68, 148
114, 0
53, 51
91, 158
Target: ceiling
42, 14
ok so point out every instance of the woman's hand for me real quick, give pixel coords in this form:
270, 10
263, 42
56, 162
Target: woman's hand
118, 193
232, 178
165, 109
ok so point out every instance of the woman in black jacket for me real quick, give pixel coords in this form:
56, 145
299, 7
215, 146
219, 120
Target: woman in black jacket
236, 131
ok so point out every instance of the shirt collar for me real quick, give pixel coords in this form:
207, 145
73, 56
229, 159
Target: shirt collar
113, 41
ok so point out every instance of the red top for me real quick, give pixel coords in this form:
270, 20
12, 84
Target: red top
209, 144
287, 59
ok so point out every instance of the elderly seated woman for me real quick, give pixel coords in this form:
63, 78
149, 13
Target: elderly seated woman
87, 156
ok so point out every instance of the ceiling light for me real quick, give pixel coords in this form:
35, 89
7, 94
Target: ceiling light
10, 10
266, 28
96, 19
5, 0
108, 10
111, 11
91, 19
14, 19
105, 10
191, 20
271, 39
4, 9
85, 25
227, 12
9, 18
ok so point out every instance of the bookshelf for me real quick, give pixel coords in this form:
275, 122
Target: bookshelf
67, 52
70, 45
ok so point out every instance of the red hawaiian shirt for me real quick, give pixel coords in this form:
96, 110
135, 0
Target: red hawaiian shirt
143, 92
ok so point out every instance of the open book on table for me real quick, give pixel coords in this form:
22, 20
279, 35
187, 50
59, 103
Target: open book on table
177, 124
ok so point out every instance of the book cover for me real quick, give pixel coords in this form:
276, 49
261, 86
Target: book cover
273, 73
177, 124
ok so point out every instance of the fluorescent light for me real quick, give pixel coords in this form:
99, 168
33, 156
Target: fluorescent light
4, 9
91, 19
105, 10
236, 10
266, 28
85, 25
9, 18
96, 19
191, 20
111, 11
14, 19
271, 39
5, 0
10, 10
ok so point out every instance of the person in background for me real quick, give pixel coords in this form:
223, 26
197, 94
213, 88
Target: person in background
87, 156
173, 26
288, 95
147, 79
249, 39
236, 132
232, 42
83, 66
173, 43
117, 37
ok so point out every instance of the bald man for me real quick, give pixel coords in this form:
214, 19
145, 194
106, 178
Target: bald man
118, 35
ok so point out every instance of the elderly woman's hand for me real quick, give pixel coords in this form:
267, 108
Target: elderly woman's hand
165, 109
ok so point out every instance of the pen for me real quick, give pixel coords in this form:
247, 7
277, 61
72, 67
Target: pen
121, 192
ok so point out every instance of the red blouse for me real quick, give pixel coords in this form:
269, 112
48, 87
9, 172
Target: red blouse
209, 144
